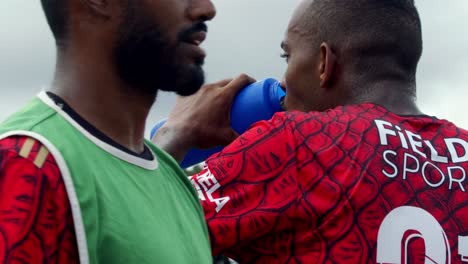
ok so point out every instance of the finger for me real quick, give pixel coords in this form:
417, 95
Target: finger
237, 84
223, 83
214, 85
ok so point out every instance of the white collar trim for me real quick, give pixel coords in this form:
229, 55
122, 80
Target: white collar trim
145, 164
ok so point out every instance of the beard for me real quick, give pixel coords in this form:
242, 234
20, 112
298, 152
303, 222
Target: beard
147, 60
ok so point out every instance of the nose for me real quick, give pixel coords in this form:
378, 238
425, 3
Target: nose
202, 10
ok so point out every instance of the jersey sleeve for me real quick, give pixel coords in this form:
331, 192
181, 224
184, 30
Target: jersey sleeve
36, 224
249, 189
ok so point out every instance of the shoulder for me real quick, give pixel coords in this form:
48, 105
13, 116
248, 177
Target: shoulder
37, 111
20, 154
339, 114
33, 198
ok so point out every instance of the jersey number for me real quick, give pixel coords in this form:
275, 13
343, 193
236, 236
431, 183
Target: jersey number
406, 223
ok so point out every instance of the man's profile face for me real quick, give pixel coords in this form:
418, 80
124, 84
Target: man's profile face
157, 46
300, 82
302, 77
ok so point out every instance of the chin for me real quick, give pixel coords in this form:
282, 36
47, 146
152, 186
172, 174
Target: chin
188, 80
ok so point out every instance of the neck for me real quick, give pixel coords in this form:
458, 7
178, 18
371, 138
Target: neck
93, 89
393, 95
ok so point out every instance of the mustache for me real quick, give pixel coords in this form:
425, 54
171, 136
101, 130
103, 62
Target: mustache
186, 34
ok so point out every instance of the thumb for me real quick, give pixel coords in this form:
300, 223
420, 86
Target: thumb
223, 83
237, 84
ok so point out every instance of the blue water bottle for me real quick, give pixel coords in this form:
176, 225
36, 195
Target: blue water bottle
256, 102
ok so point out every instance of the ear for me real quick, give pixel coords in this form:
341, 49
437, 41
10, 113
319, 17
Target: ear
102, 8
327, 64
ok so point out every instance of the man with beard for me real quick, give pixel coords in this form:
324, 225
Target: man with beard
353, 172
78, 182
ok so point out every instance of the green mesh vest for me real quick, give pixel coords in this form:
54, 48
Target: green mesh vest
125, 209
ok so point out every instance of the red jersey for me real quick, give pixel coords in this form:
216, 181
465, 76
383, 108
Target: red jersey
36, 224
356, 184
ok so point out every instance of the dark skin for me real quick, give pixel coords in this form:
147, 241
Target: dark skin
85, 74
316, 79
192, 122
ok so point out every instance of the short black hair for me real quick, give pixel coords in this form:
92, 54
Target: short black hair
379, 37
56, 14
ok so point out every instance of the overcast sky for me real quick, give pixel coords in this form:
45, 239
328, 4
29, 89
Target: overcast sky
244, 37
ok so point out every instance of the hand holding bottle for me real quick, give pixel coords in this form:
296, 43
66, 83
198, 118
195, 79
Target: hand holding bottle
257, 101
202, 120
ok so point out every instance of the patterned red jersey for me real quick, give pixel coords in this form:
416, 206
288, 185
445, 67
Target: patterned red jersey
356, 184
36, 224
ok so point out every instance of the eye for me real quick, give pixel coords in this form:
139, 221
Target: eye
285, 56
